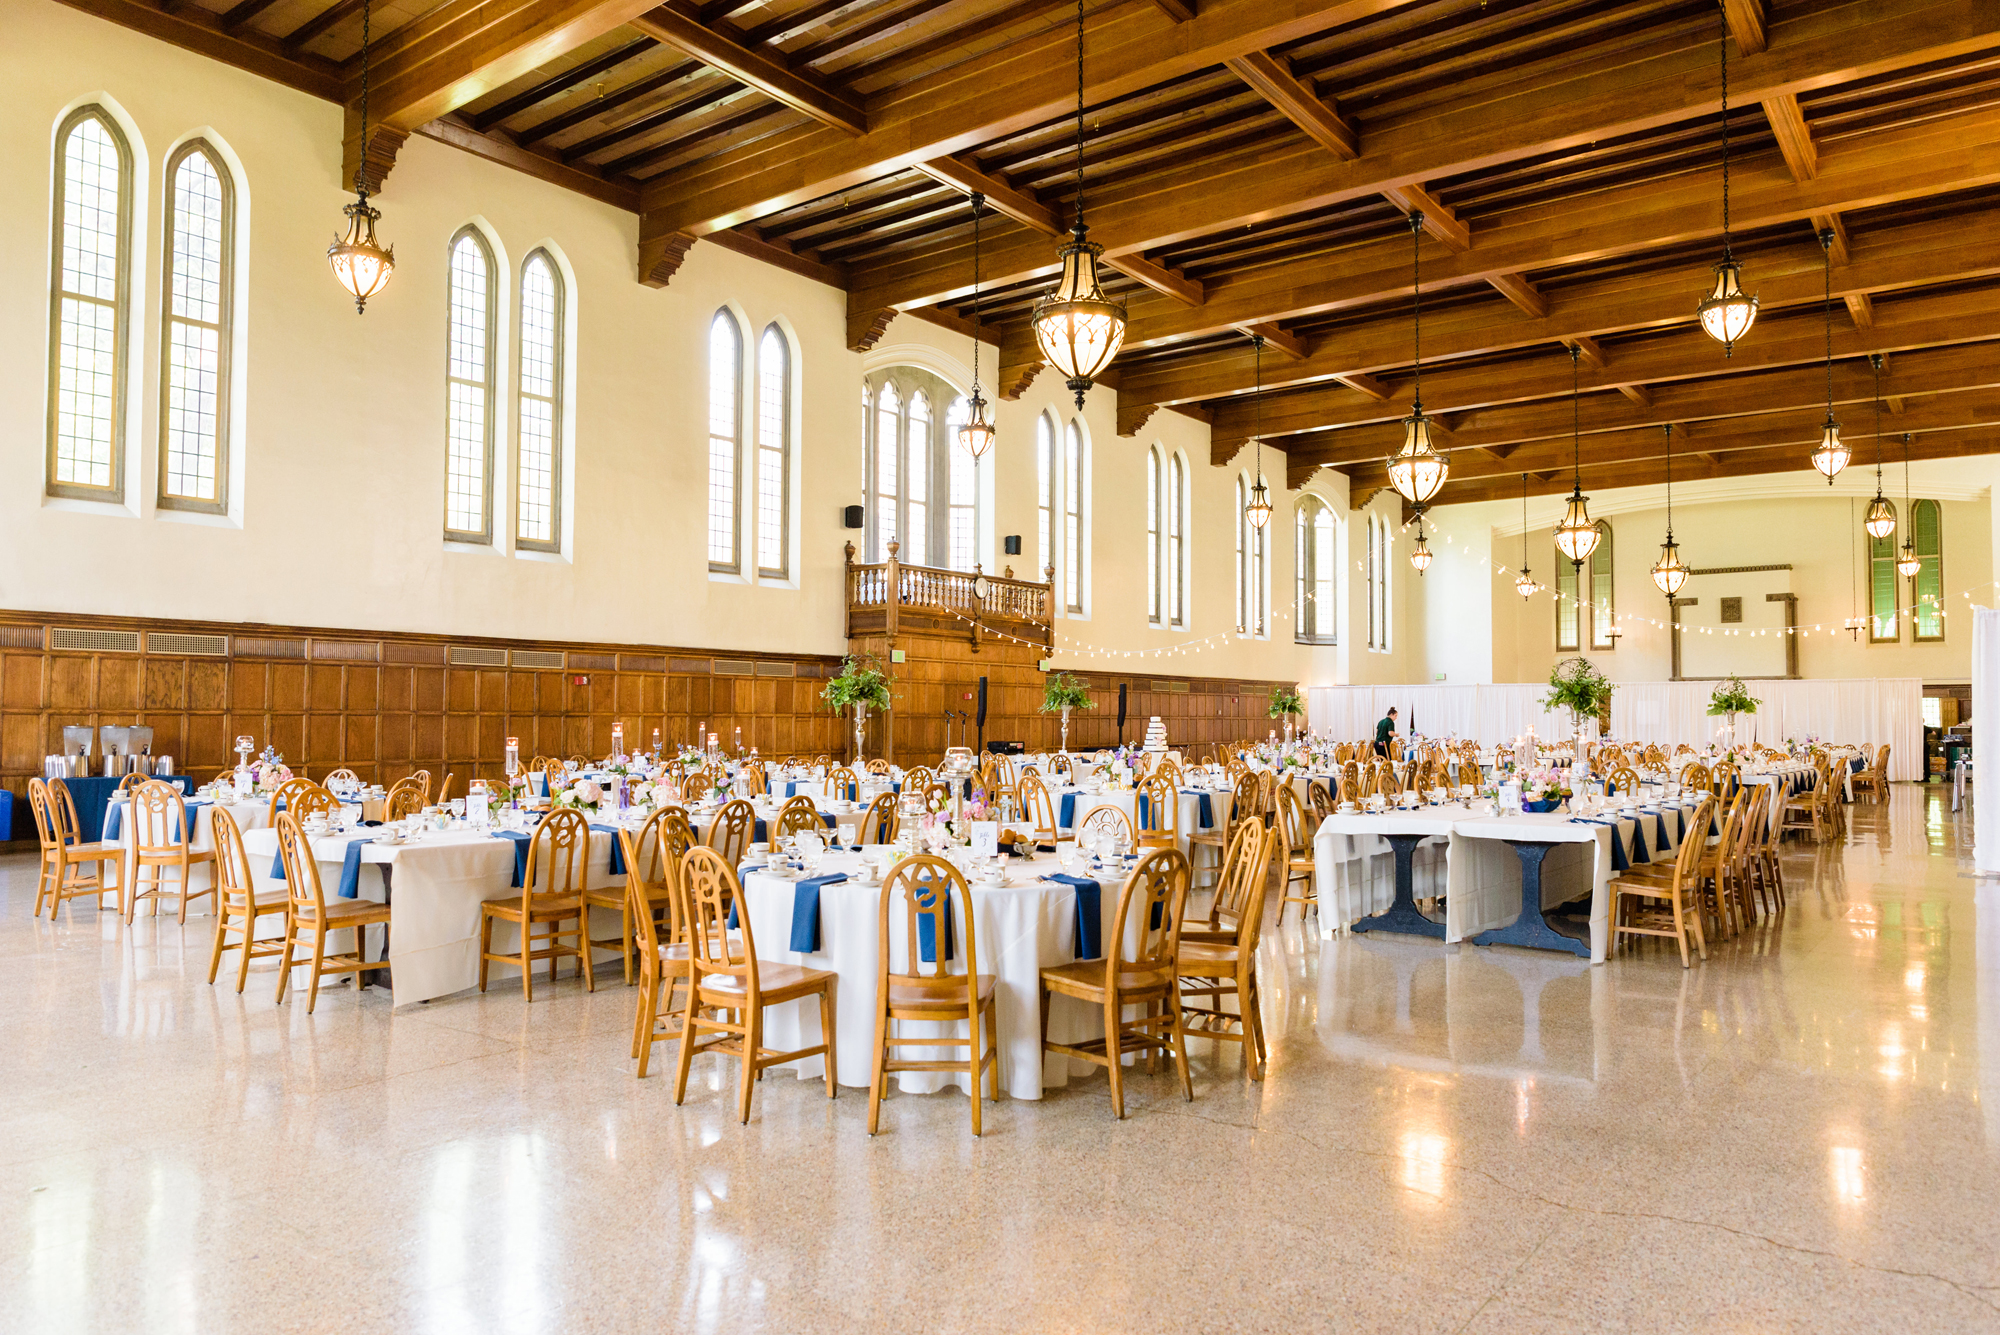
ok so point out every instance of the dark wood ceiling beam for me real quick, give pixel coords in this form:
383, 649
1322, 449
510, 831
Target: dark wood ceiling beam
1747, 24
1440, 222
1180, 11
1699, 406
1273, 78
1795, 141
1130, 47
497, 148
618, 97
322, 23
712, 93
202, 32
1591, 351
1485, 124
893, 20
1368, 386
1517, 288
1669, 356
1283, 341
239, 14
764, 69
559, 84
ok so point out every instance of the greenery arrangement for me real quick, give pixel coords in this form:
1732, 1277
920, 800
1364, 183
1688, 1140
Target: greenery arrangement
1066, 692
1575, 684
861, 682
1731, 697
1285, 700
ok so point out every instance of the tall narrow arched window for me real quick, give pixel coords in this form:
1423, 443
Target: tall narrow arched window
1316, 552
1242, 527
540, 416
1177, 530
1155, 503
1045, 489
1569, 607
1074, 519
1253, 576
472, 325
89, 307
1927, 588
963, 541
774, 454
1884, 627
1602, 608
917, 483
1379, 572
888, 474
725, 444
198, 256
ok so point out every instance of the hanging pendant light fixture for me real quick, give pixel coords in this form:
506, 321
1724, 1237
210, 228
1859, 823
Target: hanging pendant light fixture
1078, 328
1524, 583
1670, 572
1832, 453
1420, 555
976, 435
1577, 535
1417, 471
1907, 565
1258, 511
1727, 312
360, 263
1881, 521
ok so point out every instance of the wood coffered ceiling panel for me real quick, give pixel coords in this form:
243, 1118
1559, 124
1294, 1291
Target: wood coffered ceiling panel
1249, 165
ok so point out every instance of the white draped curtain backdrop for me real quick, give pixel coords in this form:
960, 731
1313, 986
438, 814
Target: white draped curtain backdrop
1985, 696
1865, 711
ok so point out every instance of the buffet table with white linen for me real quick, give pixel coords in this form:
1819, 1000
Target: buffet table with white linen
1019, 928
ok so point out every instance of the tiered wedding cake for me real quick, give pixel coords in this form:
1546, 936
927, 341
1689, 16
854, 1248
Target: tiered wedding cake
1156, 736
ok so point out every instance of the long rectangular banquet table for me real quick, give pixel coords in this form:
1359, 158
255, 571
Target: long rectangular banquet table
1372, 867
1019, 928
93, 798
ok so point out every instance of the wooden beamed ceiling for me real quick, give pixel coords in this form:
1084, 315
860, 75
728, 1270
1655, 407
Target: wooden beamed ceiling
1251, 168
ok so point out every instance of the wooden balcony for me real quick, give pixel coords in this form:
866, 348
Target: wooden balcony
891, 598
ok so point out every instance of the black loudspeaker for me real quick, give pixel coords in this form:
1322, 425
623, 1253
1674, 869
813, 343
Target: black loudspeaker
1011, 544
1122, 688
981, 719
850, 517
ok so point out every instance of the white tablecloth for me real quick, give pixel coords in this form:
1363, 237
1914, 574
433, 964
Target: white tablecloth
1188, 817
438, 884
1020, 929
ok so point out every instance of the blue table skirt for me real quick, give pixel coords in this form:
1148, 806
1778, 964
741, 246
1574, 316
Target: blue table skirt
7, 817
92, 796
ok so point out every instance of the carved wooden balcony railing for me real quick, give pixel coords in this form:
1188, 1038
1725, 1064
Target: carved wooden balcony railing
889, 597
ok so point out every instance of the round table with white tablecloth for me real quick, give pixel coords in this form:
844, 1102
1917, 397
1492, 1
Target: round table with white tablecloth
1199, 809
1020, 928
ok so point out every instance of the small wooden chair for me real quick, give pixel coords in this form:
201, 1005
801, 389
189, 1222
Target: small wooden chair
932, 894
238, 905
1624, 782
879, 767
881, 822
798, 816
1038, 809
1138, 969
729, 987
1160, 826
1294, 854
547, 899
937, 798
840, 784
1667, 905
1242, 806
162, 842
444, 790
653, 856
1103, 824
311, 915
423, 779
1222, 963
1875, 778
916, 779
346, 776
404, 800
130, 781
1060, 763
733, 830
64, 858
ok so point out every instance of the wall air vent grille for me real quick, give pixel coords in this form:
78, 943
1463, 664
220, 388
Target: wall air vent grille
466, 655
98, 641
194, 646
538, 658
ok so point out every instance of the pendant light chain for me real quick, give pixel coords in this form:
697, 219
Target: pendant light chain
977, 201
1079, 112
1576, 415
1722, 20
1257, 347
1417, 308
1670, 482
361, 163
1826, 308
1875, 360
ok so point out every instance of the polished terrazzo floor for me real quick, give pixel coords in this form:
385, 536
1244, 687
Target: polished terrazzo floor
1801, 1135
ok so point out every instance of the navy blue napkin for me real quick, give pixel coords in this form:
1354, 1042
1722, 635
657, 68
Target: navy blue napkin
1089, 915
805, 912
617, 849
521, 840
1067, 816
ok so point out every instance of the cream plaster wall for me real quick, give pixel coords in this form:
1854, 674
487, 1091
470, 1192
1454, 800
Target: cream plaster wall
343, 417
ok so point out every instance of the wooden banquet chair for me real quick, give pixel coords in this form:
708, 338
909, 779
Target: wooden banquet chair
548, 899
1294, 855
916, 779
1875, 778
879, 767
1212, 965
733, 830
1666, 905
934, 895
881, 822
404, 800
1160, 827
1038, 809
667, 834
346, 776
238, 904
1624, 781
1104, 823
162, 842
798, 816
840, 784
729, 987
309, 914
131, 781
937, 798
62, 876
1242, 806
653, 856
1138, 969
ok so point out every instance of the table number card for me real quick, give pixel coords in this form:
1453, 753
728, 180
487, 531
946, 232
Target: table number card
985, 838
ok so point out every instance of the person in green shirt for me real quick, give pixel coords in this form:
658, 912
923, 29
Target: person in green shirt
1385, 732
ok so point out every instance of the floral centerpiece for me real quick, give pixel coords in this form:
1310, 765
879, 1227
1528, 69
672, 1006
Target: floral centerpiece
1062, 693
1730, 696
1577, 686
268, 772
861, 685
1542, 790
585, 795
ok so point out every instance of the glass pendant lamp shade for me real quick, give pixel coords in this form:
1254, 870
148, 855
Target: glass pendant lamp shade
1418, 471
1907, 565
1576, 536
1881, 521
1670, 572
1831, 455
1077, 327
1420, 555
975, 437
1525, 585
1258, 512
1727, 312
360, 263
